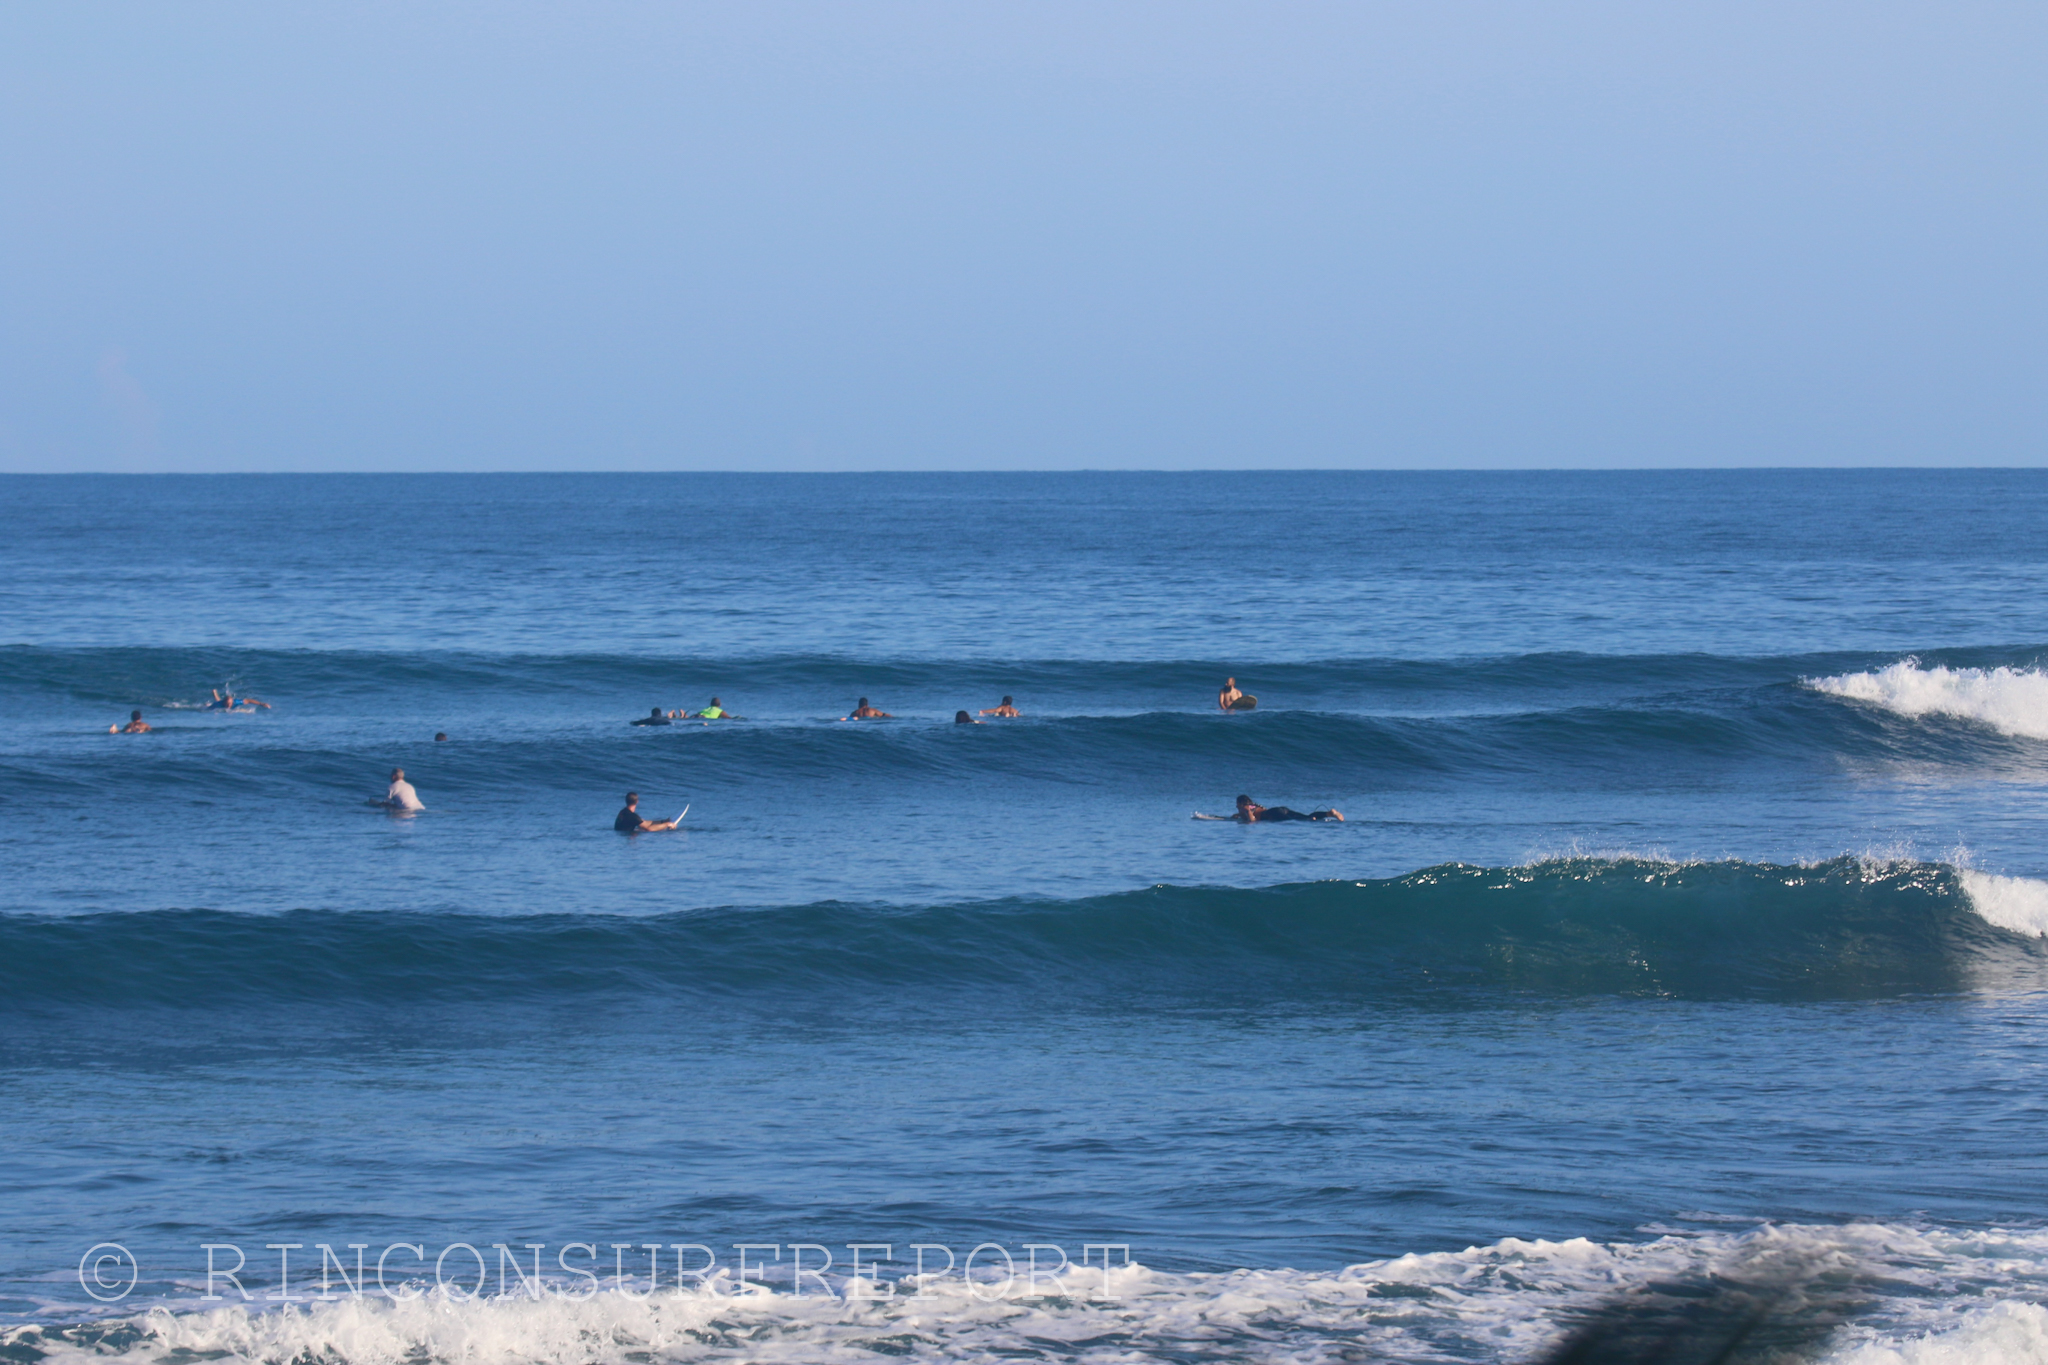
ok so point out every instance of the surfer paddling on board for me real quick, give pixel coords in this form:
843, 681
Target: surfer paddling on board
402, 796
1007, 709
866, 712
1250, 812
715, 711
136, 726
1230, 699
653, 717
228, 701
628, 821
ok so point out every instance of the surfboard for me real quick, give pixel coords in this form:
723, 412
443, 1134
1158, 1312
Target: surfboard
679, 819
1245, 703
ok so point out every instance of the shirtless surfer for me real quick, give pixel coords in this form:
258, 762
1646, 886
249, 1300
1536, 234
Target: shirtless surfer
402, 796
1231, 699
1250, 812
1008, 709
136, 726
866, 712
628, 821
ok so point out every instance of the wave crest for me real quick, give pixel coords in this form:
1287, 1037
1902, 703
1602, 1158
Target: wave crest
2013, 701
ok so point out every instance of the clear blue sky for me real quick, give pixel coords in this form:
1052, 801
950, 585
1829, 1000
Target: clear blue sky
240, 236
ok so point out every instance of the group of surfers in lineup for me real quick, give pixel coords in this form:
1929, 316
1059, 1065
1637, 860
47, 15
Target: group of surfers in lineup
861, 711
401, 797
1228, 698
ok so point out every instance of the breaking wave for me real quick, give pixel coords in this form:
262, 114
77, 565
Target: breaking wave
1917, 1296
2012, 701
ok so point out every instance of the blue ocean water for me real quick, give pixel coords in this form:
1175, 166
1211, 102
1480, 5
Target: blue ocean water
1688, 909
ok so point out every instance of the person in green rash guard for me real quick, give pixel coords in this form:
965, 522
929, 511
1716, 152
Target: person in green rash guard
711, 712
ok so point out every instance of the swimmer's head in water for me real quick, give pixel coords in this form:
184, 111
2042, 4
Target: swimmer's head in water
440, 735
962, 718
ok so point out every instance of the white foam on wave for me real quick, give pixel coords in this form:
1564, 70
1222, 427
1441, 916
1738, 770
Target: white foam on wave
1943, 1296
2016, 903
2013, 701
2003, 1334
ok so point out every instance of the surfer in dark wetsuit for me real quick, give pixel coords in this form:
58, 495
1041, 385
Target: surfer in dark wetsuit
628, 821
228, 701
654, 717
1251, 812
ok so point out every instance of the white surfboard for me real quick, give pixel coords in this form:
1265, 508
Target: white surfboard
679, 819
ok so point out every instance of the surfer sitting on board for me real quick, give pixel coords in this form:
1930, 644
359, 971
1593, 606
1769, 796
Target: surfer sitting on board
628, 821
136, 726
1250, 812
1008, 708
866, 712
1230, 699
402, 796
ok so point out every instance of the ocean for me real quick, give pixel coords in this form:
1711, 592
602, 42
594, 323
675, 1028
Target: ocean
1687, 926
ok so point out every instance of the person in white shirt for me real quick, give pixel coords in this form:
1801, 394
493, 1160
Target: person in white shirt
402, 796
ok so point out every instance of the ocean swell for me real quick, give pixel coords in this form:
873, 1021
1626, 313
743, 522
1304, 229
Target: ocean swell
1566, 927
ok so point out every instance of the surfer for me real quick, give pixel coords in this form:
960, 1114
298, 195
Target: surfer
1230, 699
1008, 708
866, 712
628, 821
653, 717
1250, 812
711, 712
228, 701
962, 718
136, 726
402, 796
